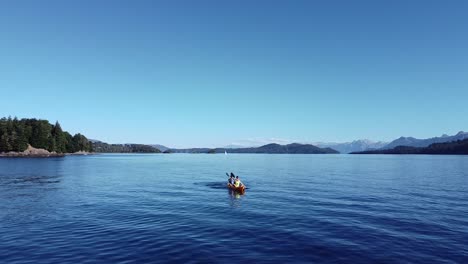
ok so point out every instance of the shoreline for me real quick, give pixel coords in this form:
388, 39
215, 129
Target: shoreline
32, 152
51, 155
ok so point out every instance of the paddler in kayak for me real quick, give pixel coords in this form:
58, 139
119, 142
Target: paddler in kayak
237, 182
231, 179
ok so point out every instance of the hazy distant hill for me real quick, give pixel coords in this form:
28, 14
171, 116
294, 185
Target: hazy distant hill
190, 150
160, 147
233, 146
357, 145
273, 148
414, 142
459, 147
293, 148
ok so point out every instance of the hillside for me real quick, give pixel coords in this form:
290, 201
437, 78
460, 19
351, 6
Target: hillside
162, 148
191, 150
459, 147
415, 142
102, 147
293, 148
273, 148
356, 145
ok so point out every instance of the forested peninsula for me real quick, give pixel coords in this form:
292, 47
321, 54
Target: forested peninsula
102, 147
36, 137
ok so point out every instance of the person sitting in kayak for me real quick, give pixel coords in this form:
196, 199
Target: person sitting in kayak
231, 179
237, 182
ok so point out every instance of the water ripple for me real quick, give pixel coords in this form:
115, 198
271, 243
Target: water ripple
304, 209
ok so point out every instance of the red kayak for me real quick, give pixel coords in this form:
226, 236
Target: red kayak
240, 189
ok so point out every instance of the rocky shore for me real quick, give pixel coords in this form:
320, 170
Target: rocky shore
39, 153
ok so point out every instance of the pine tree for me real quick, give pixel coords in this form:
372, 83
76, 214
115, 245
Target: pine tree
4, 142
90, 148
60, 140
3, 135
52, 145
20, 143
40, 134
15, 135
69, 143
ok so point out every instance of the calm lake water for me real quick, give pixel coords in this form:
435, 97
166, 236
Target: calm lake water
298, 208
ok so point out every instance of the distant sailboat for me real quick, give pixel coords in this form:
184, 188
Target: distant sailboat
225, 152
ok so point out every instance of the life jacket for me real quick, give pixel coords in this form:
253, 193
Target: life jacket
237, 183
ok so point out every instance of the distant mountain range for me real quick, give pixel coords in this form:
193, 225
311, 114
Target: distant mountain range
347, 147
414, 142
321, 147
459, 147
364, 144
357, 145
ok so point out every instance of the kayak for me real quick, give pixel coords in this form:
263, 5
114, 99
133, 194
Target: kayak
240, 189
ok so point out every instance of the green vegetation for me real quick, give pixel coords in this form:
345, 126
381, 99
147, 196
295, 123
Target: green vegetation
15, 135
123, 148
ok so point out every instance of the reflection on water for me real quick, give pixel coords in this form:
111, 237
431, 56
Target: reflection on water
30, 180
235, 198
16, 172
32, 188
213, 185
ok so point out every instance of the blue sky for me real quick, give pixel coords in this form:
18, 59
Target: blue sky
212, 73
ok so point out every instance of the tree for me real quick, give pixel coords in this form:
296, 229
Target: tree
15, 135
41, 133
20, 143
90, 146
80, 143
3, 135
52, 145
59, 137
4, 143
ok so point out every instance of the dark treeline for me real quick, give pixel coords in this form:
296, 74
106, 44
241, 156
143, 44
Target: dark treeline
123, 148
459, 147
15, 135
293, 148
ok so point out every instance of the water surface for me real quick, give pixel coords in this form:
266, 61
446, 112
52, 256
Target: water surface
298, 208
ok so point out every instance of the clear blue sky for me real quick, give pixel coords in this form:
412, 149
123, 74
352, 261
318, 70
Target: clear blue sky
211, 73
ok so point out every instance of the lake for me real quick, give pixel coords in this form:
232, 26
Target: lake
137, 208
